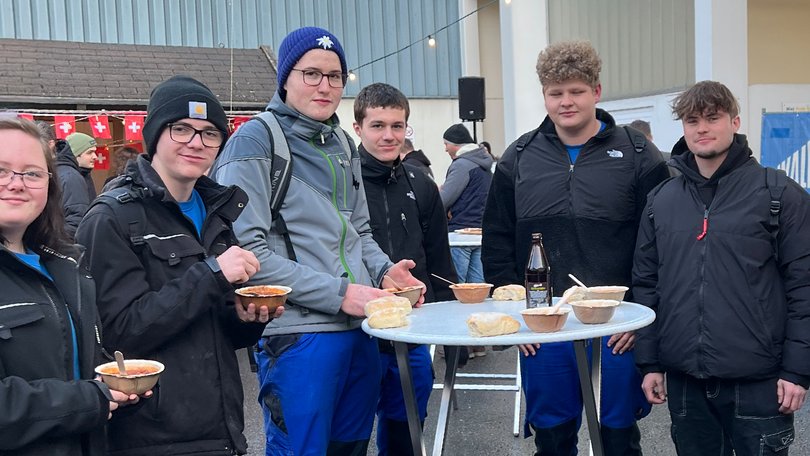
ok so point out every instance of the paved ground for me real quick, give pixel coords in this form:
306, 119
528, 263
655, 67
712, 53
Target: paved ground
483, 423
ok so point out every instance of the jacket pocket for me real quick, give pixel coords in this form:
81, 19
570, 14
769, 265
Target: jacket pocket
174, 248
16, 315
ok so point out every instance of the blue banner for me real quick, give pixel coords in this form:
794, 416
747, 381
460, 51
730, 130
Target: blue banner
786, 144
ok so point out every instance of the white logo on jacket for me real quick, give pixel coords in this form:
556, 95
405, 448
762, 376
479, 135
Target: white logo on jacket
615, 153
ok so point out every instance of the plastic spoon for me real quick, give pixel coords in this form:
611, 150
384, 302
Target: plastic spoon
578, 282
119, 358
396, 285
442, 278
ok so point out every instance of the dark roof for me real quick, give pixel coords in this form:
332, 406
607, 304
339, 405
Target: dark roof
64, 73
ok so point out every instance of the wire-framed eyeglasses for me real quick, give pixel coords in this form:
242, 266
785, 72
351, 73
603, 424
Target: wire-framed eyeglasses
184, 133
31, 179
314, 77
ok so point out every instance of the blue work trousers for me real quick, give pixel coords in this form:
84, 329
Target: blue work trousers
318, 392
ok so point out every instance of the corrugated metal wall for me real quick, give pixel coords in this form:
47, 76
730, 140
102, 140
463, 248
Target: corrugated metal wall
647, 46
368, 29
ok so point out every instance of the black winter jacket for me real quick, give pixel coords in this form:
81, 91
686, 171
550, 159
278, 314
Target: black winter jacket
161, 296
465, 188
725, 307
77, 187
43, 409
588, 211
408, 221
419, 160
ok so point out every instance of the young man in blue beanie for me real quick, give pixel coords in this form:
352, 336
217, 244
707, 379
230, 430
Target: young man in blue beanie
319, 373
161, 247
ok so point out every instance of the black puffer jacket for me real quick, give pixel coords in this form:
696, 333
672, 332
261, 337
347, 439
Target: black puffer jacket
588, 212
162, 297
408, 221
43, 410
724, 306
76, 184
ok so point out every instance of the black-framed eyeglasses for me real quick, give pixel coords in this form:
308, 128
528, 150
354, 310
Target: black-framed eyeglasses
314, 77
31, 179
184, 133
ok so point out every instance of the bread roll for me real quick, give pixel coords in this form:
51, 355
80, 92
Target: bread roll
576, 293
509, 293
484, 324
388, 302
392, 317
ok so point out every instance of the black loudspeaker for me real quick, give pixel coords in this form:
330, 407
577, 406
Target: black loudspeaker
471, 104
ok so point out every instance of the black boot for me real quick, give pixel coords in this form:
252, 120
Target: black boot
560, 440
399, 438
621, 441
356, 448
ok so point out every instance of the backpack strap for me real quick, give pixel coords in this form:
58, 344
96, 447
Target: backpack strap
651, 198
637, 139
131, 216
344, 142
280, 175
775, 180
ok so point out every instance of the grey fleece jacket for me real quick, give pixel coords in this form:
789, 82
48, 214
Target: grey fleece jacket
326, 214
470, 156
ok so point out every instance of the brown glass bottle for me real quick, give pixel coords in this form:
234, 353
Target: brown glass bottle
538, 275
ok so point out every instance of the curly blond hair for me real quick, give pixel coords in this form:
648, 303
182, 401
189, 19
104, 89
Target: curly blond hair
569, 60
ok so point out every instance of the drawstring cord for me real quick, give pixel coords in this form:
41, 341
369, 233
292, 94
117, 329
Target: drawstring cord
705, 225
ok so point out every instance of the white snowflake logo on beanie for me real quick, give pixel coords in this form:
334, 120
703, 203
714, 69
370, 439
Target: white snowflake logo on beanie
326, 42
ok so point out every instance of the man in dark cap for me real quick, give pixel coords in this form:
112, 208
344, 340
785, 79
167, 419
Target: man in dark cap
464, 194
164, 256
319, 372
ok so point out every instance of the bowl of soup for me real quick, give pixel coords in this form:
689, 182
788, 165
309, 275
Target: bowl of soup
471, 293
412, 293
270, 296
141, 376
545, 319
595, 311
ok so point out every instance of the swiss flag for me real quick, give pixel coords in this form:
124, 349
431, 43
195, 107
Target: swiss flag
101, 128
132, 128
238, 121
102, 158
26, 116
64, 125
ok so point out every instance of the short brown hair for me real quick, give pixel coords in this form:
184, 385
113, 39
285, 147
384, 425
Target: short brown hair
48, 228
569, 60
705, 96
379, 95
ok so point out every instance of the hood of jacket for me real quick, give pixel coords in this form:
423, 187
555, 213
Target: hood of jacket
64, 155
419, 156
375, 170
684, 160
475, 154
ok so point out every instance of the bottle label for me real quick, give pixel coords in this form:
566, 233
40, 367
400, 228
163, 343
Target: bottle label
537, 295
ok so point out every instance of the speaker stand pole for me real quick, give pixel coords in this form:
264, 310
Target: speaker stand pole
475, 132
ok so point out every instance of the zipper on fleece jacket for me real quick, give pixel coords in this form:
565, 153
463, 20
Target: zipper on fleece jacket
701, 292
343, 225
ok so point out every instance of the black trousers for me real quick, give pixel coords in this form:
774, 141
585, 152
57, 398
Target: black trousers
561, 440
715, 417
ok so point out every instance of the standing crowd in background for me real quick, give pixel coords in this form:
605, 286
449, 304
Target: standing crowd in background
719, 249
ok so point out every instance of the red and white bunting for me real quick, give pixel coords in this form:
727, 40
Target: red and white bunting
132, 128
103, 158
238, 121
100, 126
64, 126
25, 116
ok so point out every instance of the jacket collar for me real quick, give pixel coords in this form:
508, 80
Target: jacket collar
547, 128
376, 170
301, 125
143, 179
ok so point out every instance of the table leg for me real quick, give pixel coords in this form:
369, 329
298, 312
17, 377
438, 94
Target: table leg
586, 382
409, 395
451, 356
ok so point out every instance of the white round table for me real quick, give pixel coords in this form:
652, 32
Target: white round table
444, 323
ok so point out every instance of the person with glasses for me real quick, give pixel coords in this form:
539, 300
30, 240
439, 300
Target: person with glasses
161, 246
75, 158
49, 344
319, 373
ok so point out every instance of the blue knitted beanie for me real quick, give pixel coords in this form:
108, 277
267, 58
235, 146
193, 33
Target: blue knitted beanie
298, 43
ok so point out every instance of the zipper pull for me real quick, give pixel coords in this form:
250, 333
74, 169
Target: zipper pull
571, 169
705, 225
404, 221
322, 140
